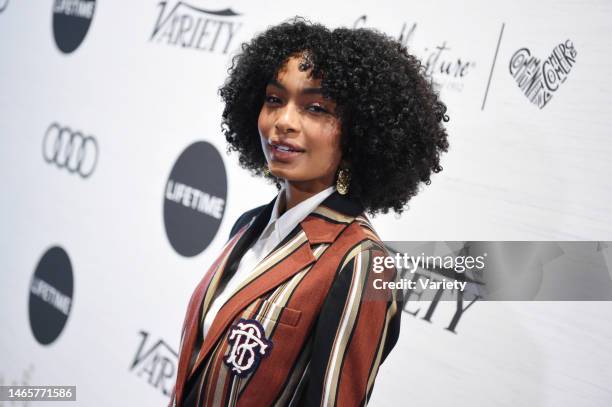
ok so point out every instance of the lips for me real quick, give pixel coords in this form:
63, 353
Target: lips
285, 146
284, 151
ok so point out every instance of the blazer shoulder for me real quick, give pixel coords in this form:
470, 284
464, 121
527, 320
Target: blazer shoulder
366, 231
244, 219
363, 238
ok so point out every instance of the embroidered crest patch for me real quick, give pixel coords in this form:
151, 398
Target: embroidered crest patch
248, 345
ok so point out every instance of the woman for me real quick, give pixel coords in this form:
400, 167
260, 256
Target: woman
343, 122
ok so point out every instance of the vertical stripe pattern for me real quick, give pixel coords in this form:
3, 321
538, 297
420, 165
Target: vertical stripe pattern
310, 296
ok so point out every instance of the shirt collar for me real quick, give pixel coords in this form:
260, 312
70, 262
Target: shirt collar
290, 218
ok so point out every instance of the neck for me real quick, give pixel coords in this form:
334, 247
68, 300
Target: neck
296, 192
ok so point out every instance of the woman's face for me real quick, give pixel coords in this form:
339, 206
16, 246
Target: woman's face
300, 133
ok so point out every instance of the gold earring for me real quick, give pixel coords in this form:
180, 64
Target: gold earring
343, 181
266, 170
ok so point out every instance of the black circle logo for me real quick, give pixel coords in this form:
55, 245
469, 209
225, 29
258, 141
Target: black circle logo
71, 21
194, 199
51, 292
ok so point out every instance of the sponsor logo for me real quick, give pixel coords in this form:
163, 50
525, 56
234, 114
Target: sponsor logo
421, 302
194, 199
70, 149
71, 21
184, 25
248, 345
539, 79
439, 61
157, 362
51, 292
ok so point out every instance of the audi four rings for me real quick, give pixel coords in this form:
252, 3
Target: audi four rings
70, 149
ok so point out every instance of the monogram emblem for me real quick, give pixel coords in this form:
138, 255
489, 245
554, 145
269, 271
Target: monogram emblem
248, 346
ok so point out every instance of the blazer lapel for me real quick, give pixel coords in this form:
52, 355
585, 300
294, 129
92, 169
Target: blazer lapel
202, 297
191, 325
293, 254
282, 263
250, 235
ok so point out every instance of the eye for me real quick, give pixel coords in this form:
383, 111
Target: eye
272, 99
317, 109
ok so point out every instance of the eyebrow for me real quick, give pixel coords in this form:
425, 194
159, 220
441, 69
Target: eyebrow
274, 82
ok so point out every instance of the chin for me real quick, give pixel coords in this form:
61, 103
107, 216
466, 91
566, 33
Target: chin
281, 170
283, 175
290, 176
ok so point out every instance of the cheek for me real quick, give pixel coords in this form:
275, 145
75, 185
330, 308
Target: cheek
328, 143
266, 121
262, 123
263, 127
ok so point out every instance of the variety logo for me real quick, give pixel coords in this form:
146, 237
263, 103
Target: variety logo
51, 292
439, 62
70, 149
71, 21
187, 26
157, 362
194, 198
412, 303
538, 79
3, 5
423, 304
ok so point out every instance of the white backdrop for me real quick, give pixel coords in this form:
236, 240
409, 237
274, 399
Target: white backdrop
516, 170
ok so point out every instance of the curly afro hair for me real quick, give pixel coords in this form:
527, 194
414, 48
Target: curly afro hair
391, 116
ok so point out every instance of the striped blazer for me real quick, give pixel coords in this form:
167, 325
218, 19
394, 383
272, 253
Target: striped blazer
307, 328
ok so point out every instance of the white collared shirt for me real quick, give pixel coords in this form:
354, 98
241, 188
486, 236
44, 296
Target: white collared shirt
276, 230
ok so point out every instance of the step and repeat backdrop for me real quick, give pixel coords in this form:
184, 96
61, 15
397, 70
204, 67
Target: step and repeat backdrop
117, 192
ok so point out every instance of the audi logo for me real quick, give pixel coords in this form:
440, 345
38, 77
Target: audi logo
70, 149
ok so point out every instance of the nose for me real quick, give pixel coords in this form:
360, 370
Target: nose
288, 119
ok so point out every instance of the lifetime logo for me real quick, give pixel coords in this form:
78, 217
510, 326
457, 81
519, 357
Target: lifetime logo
193, 198
51, 295
70, 149
75, 8
71, 22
